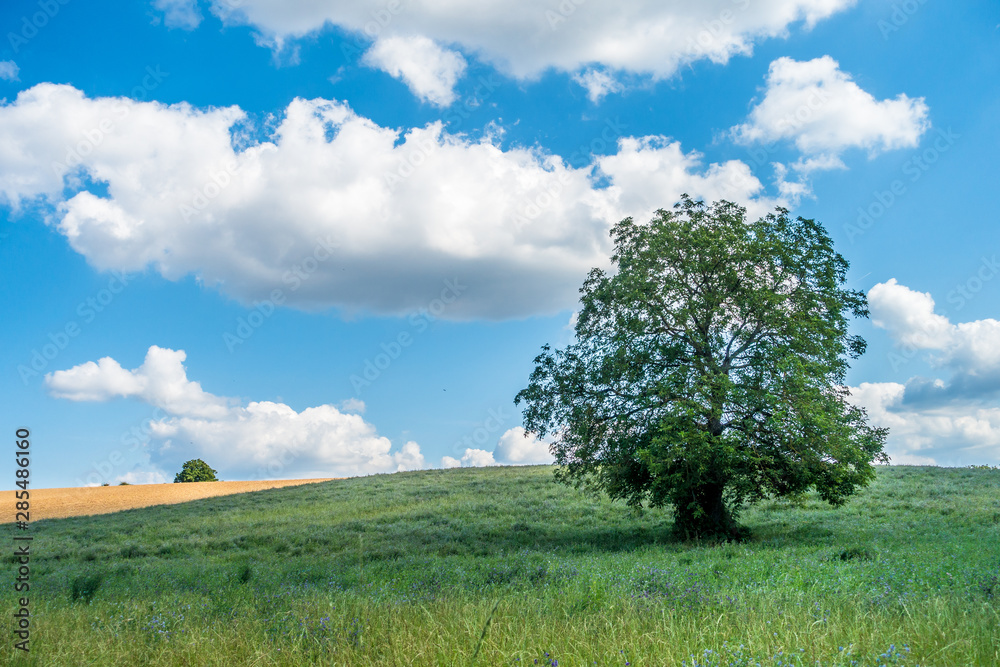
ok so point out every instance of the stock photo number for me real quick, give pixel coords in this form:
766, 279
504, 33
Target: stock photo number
22, 543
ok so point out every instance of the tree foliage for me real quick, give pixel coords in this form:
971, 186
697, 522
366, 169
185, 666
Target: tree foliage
708, 371
195, 470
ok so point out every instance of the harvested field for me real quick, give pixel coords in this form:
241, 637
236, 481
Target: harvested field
83, 501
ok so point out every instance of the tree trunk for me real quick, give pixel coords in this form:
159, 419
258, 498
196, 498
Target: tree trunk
700, 512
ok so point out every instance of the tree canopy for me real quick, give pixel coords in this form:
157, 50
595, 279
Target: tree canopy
708, 370
195, 470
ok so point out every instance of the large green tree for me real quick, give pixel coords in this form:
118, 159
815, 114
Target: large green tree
708, 370
195, 470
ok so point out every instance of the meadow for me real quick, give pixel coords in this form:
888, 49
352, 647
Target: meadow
503, 566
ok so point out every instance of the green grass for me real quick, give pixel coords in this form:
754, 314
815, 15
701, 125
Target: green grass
425, 568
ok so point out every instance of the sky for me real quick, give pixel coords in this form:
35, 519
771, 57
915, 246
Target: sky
305, 238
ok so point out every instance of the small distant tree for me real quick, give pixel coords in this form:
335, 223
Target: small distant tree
196, 470
709, 370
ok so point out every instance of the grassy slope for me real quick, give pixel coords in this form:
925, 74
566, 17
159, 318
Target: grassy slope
406, 569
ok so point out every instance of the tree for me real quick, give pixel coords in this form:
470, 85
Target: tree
195, 470
708, 371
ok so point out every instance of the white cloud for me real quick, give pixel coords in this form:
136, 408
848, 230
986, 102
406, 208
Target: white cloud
517, 448
908, 316
143, 477
970, 351
160, 381
472, 458
428, 70
8, 70
947, 434
259, 439
598, 84
476, 458
647, 171
949, 421
335, 210
513, 448
525, 38
823, 112
182, 14
353, 405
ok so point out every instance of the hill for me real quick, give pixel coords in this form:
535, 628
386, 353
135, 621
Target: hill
428, 567
85, 501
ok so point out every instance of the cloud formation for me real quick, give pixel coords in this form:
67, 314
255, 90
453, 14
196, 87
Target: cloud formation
598, 84
950, 420
429, 71
9, 70
182, 14
333, 209
257, 440
822, 111
513, 448
523, 38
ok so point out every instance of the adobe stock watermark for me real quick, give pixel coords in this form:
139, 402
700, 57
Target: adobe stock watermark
30, 25
294, 278
409, 162
135, 438
58, 340
962, 294
95, 136
901, 14
967, 291
914, 169
371, 30
219, 180
418, 322
530, 208
713, 30
277, 465
759, 155
561, 13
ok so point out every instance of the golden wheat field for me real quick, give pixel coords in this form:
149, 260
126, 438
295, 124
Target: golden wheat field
82, 501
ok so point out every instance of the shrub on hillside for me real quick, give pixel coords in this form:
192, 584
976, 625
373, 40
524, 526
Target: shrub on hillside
196, 470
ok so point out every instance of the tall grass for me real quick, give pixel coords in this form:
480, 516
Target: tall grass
428, 568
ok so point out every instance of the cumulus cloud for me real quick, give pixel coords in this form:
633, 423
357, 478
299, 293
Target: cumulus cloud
945, 434
821, 110
513, 448
909, 316
160, 381
598, 84
524, 38
143, 477
8, 70
472, 458
182, 14
948, 420
516, 446
430, 71
333, 209
259, 439
968, 351
353, 405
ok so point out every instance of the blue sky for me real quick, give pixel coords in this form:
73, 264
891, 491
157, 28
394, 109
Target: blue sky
298, 239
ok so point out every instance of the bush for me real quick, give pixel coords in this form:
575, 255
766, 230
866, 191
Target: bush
84, 587
196, 470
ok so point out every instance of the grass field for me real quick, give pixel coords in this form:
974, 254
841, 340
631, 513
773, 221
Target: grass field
426, 568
